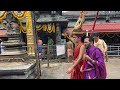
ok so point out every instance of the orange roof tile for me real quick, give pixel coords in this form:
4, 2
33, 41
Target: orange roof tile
107, 27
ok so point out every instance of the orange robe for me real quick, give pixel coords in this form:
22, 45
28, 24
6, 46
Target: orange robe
76, 74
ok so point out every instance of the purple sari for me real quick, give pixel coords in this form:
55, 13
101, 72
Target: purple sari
97, 70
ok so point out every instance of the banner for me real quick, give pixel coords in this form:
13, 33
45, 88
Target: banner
60, 50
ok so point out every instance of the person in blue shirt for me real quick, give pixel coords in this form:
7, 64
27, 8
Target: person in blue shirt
40, 46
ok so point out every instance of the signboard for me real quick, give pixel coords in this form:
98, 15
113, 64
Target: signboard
60, 49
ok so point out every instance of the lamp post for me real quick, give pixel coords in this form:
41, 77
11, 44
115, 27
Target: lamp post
36, 46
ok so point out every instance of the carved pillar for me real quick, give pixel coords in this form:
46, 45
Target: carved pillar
30, 37
58, 33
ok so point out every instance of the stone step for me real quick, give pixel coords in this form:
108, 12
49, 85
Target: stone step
17, 70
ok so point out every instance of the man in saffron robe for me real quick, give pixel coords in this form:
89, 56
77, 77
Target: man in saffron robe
78, 60
95, 66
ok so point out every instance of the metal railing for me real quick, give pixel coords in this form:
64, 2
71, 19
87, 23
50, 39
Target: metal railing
50, 52
114, 51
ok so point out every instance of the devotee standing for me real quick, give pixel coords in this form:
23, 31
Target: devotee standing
95, 66
100, 43
78, 60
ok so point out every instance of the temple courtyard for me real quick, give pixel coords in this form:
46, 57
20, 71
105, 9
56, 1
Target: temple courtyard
58, 70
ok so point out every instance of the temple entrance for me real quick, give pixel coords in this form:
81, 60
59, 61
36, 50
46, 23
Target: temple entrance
44, 36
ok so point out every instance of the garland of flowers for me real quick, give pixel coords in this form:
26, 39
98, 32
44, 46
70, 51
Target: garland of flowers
39, 27
117, 35
112, 36
53, 28
103, 35
3, 15
44, 27
19, 17
22, 28
3, 24
49, 28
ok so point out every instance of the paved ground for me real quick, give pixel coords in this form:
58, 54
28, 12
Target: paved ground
58, 70
113, 68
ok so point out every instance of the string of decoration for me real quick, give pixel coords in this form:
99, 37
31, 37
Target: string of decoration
19, 14
118, 35
3, 24
49, 28
111, 36
102, 35
2, 15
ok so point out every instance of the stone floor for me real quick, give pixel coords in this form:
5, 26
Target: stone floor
113, 68
58, 70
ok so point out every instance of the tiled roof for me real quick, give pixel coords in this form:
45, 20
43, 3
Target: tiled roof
107, 27
52, 19
77, 13
48, 18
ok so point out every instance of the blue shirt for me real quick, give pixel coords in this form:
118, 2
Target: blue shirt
40, 48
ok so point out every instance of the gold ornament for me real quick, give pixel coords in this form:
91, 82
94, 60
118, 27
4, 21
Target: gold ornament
3, 14
19, 14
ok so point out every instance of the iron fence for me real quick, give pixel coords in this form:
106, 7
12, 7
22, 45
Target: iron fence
50, 52
114, 51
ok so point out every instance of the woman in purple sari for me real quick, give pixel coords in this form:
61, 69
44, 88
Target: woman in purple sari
95, 66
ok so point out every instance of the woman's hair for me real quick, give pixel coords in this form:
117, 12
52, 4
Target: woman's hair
90, 38
82, 36
95, 34
78, 35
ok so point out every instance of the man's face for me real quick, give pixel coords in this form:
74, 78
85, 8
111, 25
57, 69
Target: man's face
87, 43
75, 39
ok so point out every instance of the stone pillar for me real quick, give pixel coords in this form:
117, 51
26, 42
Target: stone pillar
58, 34
30, 37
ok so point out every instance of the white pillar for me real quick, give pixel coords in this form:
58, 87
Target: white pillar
86, 32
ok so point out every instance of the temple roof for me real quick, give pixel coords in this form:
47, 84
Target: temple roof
48, 18
56, 18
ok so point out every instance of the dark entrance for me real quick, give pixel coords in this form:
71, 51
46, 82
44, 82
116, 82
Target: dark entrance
44, 36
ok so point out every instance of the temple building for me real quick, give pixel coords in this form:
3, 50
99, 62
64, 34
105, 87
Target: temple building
107, 24
48, 24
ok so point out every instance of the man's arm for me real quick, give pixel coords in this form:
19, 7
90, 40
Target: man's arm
105, 46
90, 59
